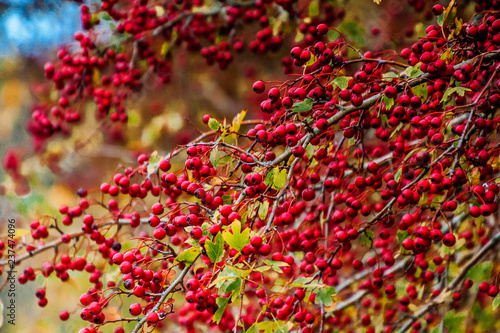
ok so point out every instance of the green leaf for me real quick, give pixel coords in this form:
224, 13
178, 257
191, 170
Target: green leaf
484, 316
279, 178
341, 81
252, 329
215, 251
390, 75
398, 174
237, 239
313, 8
215, 157
451, 90
454, 322
154, 162
276, 326
213, 124
227, 199
188, 256
421, 91
263, 209
309, 151
496, 302
402, 235
105, 16
285, 328
351, 29
299, 282
221, 303
262, 268
242, 273
440, 19
325, 295
231, 285
275, 265
480, 272
388, 102
413, 72
269, 179
305, 282
367, 238
311, 61
226, 275
304, 106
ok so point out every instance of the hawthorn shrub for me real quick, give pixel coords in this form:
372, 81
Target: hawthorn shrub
368, 201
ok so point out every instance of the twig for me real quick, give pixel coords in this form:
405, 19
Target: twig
164, 295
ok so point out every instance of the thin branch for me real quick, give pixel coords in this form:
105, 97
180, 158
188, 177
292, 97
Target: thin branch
164, 295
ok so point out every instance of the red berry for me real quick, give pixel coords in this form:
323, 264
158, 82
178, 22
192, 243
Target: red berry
135, 309
259, 87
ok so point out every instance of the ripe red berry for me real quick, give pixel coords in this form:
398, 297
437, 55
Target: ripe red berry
493, 291
322, 29
484, 287
152, 318
64, 315
256, 241
259, 87
437, 10
95, 308
449, 240
135, 309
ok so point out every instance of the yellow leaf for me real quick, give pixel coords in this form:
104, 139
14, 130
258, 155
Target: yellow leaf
96, 77
164, 48
237, 121
377, 1
159, 11
475, 176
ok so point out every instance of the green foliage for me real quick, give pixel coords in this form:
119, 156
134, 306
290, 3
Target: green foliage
367, 238
303, 106
451, 90
215, 157
485, 317
402, 235
480, 272
188, 256
215, 251
154, 162
275, 265
496, 302
455, 322
325, 295
263, 208
341, 81
421, 91
387, 102
413, 72
276, 326
237, 239
279, 178
221, 303
213, 124
349, 29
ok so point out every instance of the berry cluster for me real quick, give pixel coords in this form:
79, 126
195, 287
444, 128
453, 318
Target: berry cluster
149, 31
